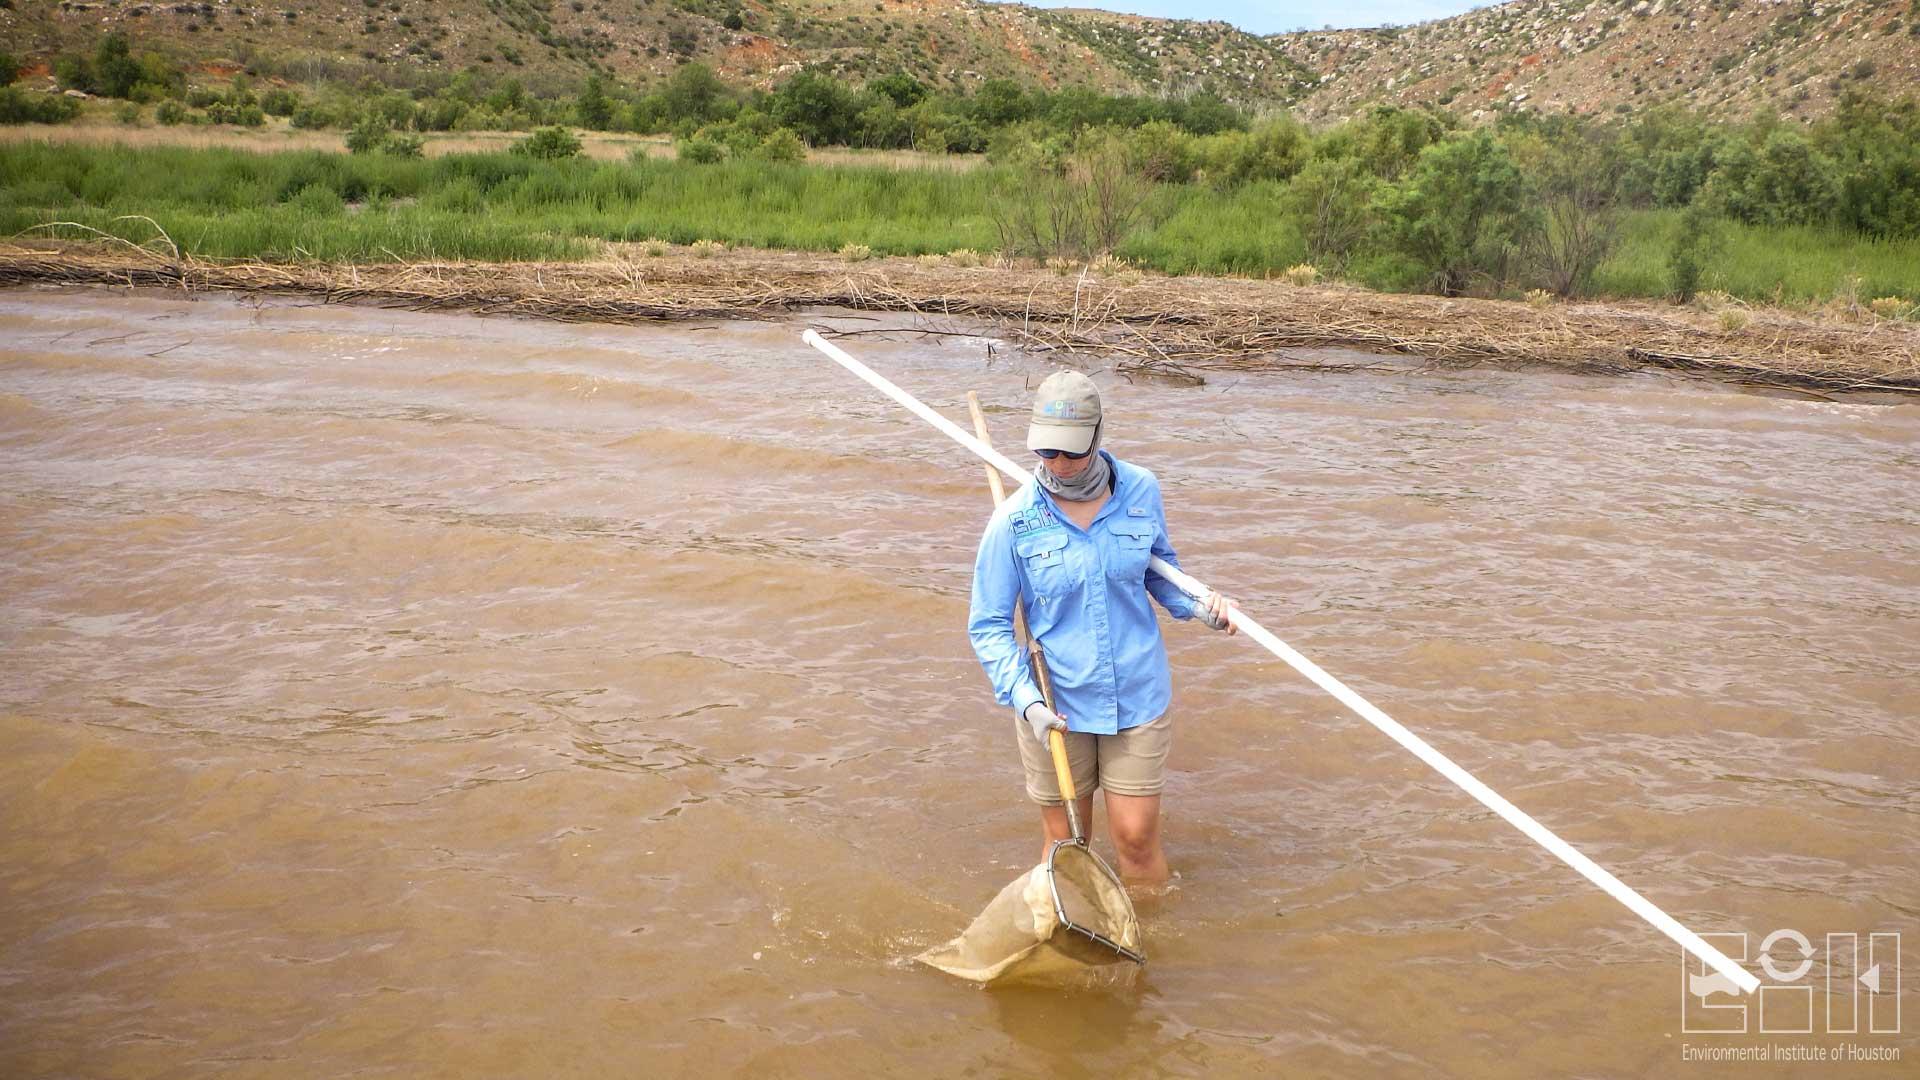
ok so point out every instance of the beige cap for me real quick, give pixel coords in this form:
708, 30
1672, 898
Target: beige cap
1065, 413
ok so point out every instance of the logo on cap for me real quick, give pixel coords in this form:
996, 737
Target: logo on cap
1062, 408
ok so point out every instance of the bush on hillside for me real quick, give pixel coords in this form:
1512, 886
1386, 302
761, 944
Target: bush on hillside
224, 112
74, 72
19, 106
311, 118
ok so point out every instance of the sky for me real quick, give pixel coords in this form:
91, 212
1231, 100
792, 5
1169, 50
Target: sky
1278, 16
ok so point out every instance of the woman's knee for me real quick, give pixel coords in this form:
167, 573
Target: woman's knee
1135, 835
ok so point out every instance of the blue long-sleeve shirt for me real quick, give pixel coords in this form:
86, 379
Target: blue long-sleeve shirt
1086, 596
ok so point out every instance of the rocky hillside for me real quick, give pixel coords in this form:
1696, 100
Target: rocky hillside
1724, 57
948, 43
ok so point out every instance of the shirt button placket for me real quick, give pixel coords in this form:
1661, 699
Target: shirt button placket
1097, 585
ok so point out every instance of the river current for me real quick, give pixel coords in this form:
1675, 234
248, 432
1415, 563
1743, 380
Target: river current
396, 694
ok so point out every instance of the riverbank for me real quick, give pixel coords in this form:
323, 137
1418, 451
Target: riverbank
314, 206
1179, 327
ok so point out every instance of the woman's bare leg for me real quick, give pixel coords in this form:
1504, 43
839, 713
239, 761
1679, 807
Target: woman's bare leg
1133, 823
1053, 821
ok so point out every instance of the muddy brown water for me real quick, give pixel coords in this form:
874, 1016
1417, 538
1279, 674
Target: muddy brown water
394, 694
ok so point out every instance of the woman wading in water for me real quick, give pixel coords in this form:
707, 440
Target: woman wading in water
1072, 549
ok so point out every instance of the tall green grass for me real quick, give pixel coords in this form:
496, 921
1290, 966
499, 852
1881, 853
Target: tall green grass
1777, 264
496, 206
1238, 232
374, 208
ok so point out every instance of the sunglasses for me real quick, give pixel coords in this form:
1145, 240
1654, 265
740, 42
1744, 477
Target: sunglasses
1051, 454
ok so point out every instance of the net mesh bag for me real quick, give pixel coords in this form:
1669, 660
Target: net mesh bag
1022, 935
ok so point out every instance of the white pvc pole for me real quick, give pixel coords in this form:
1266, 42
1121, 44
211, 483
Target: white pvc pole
1466, 781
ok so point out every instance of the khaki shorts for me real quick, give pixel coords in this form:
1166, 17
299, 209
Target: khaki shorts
1132, 762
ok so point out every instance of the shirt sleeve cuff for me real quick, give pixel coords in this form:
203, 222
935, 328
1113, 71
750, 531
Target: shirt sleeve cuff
1024, 695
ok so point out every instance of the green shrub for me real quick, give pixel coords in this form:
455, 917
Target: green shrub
74, 73
170, 113
1387, 140
406, 146
781, 145
1161, 152
372, 136
742, 135
9, 68
1274, 150
593, 109
317, 199
440, 114
369, 136
128, 114
548, 144
1092, 206
1332, 200
694, 93
462, 196
1574, 176
279, 102
1696, 245
883, 124
963, 136
19, 106
821, 109
699, 150
1459, 215
311, 117
1785, 180
114, 69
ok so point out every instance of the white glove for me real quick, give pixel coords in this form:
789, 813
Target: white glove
1042, 720
1213, 612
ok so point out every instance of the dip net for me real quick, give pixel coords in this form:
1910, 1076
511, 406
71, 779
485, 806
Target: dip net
1064, 918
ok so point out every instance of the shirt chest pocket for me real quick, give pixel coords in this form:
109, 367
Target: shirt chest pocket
1044, 557
1132, 545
